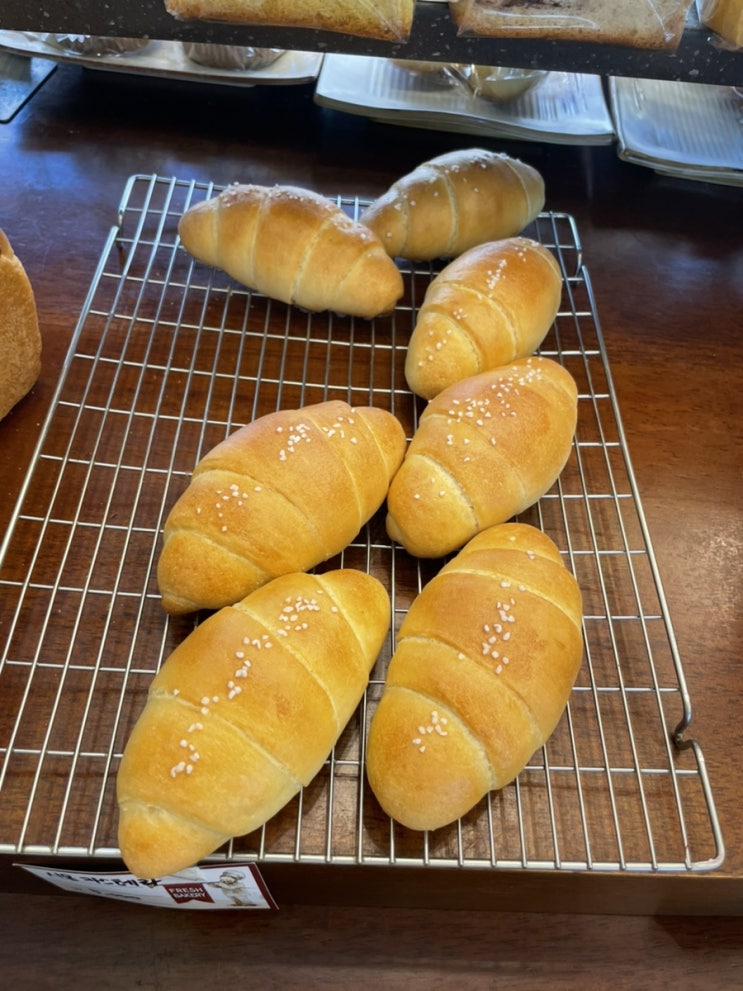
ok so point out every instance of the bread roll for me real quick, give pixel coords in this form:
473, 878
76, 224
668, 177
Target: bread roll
492, 305
484, 664
244, 713
390, 20
293, 245
20, 340
485, 449
282, 494
453, 202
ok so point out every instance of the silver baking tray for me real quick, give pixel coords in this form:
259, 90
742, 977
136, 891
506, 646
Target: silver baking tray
168, 59
168, 357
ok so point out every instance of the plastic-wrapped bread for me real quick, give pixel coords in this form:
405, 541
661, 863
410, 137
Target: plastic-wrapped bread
389, 20
653, 24
294, 245
243, 713
482, 671
725, 18
455, 201
282, 494
485, 449
490, 306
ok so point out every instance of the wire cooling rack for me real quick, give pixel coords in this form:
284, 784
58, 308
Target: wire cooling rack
167, 359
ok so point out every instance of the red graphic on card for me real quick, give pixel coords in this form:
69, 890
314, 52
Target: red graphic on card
182, 893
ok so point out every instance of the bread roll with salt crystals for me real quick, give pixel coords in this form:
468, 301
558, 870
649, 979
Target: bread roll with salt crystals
20, 339
244, 713
294, 245
483, 668
485, 449
282, 494
492, 305
455, 201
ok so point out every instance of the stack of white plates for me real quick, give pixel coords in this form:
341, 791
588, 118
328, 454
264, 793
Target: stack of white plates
563, 108
688, 130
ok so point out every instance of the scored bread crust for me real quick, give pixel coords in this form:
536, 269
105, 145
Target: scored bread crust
293, 245
485, 449
243, 713
454, 202
484, 664
20, 338
281, 494
389, 20
490, 306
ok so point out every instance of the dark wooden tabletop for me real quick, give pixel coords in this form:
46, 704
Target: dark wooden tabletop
666, 260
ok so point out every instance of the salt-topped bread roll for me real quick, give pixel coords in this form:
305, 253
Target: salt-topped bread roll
455, 201
281, 494
483, 667
243, 713
492, 305
485, 449
20, 338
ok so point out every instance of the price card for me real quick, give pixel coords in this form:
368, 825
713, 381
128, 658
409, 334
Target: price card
222, 886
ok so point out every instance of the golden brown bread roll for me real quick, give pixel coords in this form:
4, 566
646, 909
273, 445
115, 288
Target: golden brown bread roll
455, 201
293, 245
243, 713
484, 664
20, 340
488, 307
485, 449
390, 20
282, 494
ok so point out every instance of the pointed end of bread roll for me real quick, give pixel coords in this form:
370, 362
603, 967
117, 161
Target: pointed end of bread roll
154, 843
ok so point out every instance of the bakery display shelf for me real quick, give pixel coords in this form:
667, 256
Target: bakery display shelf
167, 358
434, 36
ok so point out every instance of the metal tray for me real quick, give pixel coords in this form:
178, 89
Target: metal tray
168, 357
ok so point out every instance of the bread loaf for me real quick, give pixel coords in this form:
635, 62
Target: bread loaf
455, 201
20, 340
488, 307
293, 245
481, 673
282, 494
652, 24
389, 20
485, 449
244, 713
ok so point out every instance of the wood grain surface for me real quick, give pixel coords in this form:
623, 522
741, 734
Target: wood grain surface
666, 261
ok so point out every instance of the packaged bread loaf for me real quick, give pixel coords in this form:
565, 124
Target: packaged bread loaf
389, 20
243, 714
484, 450
488, 307
20, 339
725, 18
455, 201
652, 24
281, 494
483, 667
294, 245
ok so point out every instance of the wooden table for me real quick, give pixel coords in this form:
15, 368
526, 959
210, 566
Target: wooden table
666, 260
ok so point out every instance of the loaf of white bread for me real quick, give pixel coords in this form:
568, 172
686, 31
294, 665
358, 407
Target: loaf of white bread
488, 307
389, 20
293, 245
455, 201
482, 670
243, 714
281, 494
20, 339
651, 24
485, 449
